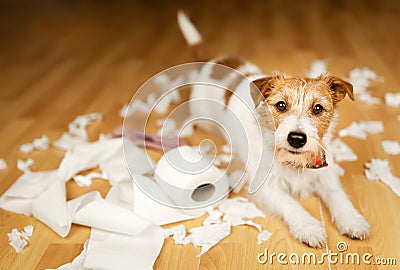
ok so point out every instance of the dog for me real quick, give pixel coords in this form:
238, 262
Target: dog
297, 116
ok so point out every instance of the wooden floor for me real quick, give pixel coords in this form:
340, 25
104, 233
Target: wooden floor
66, 58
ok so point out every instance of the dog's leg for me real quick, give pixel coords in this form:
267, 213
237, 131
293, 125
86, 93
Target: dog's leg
302, 225
346, 218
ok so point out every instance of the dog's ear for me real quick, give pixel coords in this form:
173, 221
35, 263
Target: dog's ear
340, 88
260, 89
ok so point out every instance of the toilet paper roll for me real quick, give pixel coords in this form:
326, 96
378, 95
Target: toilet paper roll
190, 179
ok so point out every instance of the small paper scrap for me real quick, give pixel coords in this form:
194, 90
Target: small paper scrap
18, 240
379, 169
178, 233
86, 180
263, 236
236, 209
168, 127
78, 126
318, 67
41, 144
360, 129
391, 147
3, 164
360, 79
367, 98
23, 165
341, 151
392, 99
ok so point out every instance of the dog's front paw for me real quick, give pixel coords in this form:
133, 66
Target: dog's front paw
312, 234
354, 227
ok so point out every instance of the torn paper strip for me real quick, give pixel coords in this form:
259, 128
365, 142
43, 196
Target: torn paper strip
3, 164
214, 216
263, 236
379, 169
391, 147
392, 99
360, 129
23, 165
318, 67
139, 105
341, 151
168, 127
78, 262
68, 141
78, 126
208, 236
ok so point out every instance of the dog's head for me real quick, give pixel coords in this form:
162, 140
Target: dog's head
302, 112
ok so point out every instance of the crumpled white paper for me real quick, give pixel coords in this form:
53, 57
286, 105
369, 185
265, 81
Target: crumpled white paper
318, 67
18, 240
391, 147
40, 144
392, 99
360, 129
379, 169
3, 164
341, 151
23, 165
178, 233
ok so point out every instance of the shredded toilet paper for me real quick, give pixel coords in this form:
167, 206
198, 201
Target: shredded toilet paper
361, 79
3, 164
86, 180
392, 99
236, 209
341, 151
40, 144
318, 67
263, 236
379, 169
167, 127
18, 239
23, 165
78, 126
178, 233
78, 262
391, 147
360, 129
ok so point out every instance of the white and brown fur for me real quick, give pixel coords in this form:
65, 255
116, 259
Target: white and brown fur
289, 176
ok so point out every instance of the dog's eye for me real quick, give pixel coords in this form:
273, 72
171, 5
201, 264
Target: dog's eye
317, 109
281, 106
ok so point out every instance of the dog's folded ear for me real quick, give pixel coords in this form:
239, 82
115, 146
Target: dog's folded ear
260, 89
340, 88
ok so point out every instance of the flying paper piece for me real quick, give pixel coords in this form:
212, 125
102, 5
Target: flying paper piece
78, 126
392, 99
3, 164
341, 151
40, 144
360, 129
318, 67
379, 169
18, 240
23, 165
263, 236
149, 139
391, 147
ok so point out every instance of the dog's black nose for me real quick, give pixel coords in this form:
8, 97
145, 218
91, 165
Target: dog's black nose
297, 139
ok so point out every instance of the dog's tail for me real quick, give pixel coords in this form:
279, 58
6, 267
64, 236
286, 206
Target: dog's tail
192, 37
